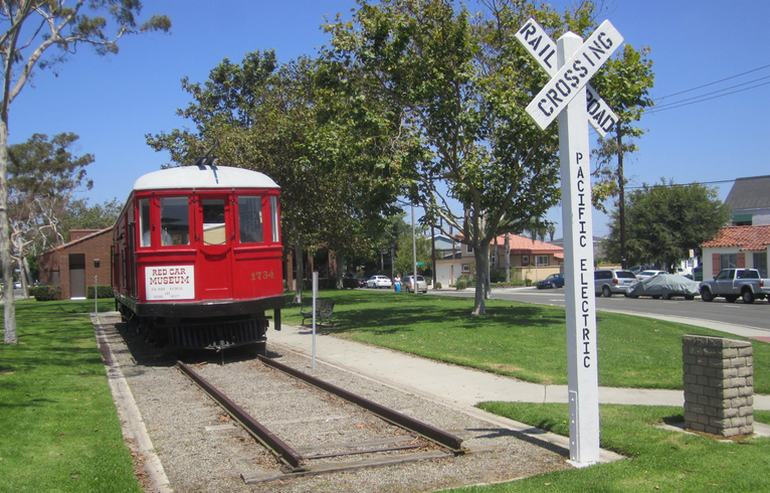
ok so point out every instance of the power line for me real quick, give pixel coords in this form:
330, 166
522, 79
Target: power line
674, 105
713, 182
718, 91
712, 83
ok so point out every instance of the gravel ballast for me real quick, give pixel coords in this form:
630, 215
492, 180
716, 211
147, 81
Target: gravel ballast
202, 449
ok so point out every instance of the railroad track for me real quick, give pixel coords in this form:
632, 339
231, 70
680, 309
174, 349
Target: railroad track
396, 439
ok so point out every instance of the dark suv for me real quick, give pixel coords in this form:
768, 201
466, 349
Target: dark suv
610, 281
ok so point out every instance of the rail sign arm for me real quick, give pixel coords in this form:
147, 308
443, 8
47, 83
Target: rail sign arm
543, 49
574, 74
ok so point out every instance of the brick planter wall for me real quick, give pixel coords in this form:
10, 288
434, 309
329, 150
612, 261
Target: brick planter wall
718, 385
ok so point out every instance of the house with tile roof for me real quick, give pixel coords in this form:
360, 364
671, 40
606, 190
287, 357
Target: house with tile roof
737, 246
749, 201
529, 259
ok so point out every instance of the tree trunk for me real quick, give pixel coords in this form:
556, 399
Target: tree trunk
5, 241
27, 275
481, 254
300, 258
339, 266
507, 253
290, 271
621, 199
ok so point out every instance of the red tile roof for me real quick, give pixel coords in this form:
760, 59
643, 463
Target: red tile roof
522, 244
751, 238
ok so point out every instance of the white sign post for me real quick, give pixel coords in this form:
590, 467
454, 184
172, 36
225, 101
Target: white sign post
315, 298
564, 96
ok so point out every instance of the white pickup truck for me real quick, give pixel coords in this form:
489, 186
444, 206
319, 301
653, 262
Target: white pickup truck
732, 284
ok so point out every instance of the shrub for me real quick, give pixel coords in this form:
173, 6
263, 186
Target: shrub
528, 282
44, 292
438, 285
101, 292
461, 283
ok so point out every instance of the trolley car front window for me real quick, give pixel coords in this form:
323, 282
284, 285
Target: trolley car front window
214, 222
174, 221
250, 216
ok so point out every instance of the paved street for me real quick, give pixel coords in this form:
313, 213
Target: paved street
756, 316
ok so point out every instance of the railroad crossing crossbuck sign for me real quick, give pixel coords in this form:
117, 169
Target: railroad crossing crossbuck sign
564, 96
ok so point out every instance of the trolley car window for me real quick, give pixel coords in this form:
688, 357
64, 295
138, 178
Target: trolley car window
174, 221
214, 222
144, 221
250, 216
274, 217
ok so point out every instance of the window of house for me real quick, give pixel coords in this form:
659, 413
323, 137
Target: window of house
466, 268
174, 221
542, 260
728, 261
468, 249
144, 222
525, 260
274, 220
250, 215
760, 263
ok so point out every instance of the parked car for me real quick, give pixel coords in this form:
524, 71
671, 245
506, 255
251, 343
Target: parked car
734, 283
552, 281
609, 281
378, 281
422, 286
351, 281
665, 286
646, 274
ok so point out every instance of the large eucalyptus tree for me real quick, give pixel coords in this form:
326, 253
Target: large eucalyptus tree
36, 35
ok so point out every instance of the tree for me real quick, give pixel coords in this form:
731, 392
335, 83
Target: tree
463, 83
306, 124
404, 259
43, 174
38, 34
625, 83
665, 221
80, 214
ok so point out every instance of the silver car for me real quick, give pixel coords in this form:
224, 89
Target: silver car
378, 281
422, 286
610, 281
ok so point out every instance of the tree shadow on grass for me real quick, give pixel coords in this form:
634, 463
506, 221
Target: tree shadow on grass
402, 318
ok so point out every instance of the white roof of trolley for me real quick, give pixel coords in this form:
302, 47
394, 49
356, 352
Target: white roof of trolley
203, 177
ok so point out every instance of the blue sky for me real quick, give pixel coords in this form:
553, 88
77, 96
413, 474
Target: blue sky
112, 102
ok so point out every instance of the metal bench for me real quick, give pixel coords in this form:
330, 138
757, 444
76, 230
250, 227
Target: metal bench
324, 311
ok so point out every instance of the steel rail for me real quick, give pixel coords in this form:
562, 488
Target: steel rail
436, 435
283, 451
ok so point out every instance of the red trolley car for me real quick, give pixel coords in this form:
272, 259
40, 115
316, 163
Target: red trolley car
196, 256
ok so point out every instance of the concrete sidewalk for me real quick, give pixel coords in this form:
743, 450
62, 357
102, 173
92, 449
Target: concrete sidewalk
455, 385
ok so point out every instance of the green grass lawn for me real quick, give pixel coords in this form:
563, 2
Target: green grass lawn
658, 460
58, 426
520, 340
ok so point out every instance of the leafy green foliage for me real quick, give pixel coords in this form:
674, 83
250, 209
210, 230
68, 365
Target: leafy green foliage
624, 83
309, 126
463, 84
665, 221
80, 214
45, 292
43, 174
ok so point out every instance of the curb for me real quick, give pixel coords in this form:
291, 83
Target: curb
132, 425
